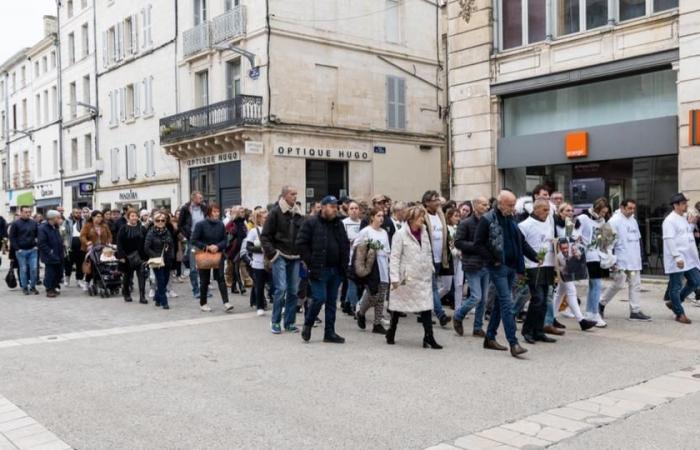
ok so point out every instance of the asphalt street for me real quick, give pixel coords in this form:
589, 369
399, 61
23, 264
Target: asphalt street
157, 379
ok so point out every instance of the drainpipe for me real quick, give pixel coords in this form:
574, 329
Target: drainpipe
59, 81
96, 102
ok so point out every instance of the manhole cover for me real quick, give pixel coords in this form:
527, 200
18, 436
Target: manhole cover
696, 375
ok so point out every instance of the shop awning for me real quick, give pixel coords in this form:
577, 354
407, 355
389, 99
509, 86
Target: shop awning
44, 202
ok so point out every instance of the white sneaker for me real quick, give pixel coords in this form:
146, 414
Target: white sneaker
567, 313
67, 282
695, 303
84, 286
599, 322
261, 312
228, 307
205, 308
386, 322
151, 293
171, 293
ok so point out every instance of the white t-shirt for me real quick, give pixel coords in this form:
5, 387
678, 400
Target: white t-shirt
256, 260
627, 247
382, 255
352, 228
436, 235
677, 229
539, 235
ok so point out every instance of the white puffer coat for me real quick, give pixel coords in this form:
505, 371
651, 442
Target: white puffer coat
411, 267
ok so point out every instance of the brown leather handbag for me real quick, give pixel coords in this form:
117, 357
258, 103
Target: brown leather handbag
205, 260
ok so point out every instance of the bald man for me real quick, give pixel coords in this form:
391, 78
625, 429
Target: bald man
500, 241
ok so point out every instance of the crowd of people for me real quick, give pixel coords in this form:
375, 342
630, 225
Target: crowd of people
504, 259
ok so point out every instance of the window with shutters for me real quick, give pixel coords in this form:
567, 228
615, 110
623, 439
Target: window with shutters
130, 102
71, 48
84, 40
36, 69
396, 102
73, 92
149, 147
39, 163
87, 150
86, 91
112, 116
55, 157
131, 161
201, 88
110, 46
392, 20
69, 7
37, 109
53, 59
46, 106
45, 64
130, 44
114, 164
74, 154
147, 102
54, 102
122, 104
146, 39
200, 11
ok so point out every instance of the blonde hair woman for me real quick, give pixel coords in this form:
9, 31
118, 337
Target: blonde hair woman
257, 263
411, 274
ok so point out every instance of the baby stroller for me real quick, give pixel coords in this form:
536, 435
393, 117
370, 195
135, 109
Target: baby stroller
106, 276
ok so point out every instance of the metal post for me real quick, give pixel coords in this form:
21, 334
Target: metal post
59, 81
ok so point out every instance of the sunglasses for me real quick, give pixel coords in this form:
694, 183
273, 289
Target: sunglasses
159, 220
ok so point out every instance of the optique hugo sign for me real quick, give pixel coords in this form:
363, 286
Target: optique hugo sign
323, 153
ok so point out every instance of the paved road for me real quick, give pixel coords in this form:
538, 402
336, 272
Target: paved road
110, 375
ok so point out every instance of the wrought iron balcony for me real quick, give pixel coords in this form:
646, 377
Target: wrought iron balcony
238, 111
228, 25
196, 39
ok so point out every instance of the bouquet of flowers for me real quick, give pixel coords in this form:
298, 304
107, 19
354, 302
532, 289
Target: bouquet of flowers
375, 245
569, 227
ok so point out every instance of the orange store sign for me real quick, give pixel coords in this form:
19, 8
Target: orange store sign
576, 144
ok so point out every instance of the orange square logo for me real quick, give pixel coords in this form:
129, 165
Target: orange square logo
694, 127
576, 144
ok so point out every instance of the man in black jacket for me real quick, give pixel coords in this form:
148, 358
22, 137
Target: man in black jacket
50, 246
476, 275
323, 245
23, 234
499, 239
192, 212
278, 240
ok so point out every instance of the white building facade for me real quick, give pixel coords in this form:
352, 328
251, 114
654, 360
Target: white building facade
590, 97
30, 125
137, 86
328, 96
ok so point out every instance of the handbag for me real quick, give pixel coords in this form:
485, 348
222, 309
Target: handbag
87, 267
157, 262
11, 279
133, 259
205, 260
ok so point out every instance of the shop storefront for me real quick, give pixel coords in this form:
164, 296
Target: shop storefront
139, 197
80, 193
47, 195
16, 199
217, 177
615, 138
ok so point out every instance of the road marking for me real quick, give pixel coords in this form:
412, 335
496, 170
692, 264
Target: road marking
51, 338
18, 431
555, 425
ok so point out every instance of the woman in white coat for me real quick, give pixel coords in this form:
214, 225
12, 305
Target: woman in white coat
411, 275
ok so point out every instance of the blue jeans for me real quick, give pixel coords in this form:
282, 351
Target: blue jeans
595, 286
324, 292
52, 275
437, 304
162, 277
352, 297
28, 260
503, 278
478, 282
194, 274
678, 292
285, 277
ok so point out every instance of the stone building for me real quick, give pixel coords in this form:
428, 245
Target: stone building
592, 97
330, 96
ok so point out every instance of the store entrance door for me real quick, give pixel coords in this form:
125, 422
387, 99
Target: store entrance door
325, 178
220, 183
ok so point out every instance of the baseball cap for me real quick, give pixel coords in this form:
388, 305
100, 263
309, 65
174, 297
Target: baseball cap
329, 200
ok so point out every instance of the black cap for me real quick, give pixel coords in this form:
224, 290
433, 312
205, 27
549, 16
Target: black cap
677, 198
329, 200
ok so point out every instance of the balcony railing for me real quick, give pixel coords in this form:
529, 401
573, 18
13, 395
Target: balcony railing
238, 111
196, 39
229, 25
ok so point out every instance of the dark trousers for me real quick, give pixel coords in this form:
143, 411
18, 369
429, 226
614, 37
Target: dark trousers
127, 281
75, 259
260, 278
426, 318
324, 292
52, 275
205, 279
162, 275
344, 290
537, 310
237, 280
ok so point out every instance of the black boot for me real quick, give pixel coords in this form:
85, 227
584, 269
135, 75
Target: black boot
391, 332
428, 338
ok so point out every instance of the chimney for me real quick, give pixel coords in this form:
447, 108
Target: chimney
50, 25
